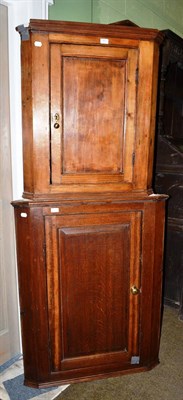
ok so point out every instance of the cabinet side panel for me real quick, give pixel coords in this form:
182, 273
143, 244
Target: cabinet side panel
25, 292
148, 236
26, 61
39, 286
157, 278
146, 100
41, 126
152, 250
32, 288
153, 115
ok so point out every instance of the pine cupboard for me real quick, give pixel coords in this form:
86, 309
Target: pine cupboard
89, 230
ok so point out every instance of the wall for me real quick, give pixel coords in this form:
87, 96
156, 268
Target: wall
72, 10
9, 314
12, 13
160, 14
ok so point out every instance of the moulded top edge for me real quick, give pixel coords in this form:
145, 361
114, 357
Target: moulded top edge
83, 28
108, 198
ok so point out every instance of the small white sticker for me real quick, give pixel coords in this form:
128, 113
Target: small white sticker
37, 44
104, 41
54, 210
135, 360
23, 215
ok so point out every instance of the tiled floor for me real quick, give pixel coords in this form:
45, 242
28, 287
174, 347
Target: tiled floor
17, 369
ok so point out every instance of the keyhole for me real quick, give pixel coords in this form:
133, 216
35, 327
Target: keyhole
56, 118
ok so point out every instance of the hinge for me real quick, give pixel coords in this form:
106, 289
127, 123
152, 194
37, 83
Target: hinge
133, 159
137, 76
135, 360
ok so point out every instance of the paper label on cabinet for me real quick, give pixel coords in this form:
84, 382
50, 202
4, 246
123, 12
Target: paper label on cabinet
104, 41
23, 215
37, 44
135, 360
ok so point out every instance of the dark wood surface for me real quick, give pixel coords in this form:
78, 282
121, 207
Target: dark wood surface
76, 271
169, 163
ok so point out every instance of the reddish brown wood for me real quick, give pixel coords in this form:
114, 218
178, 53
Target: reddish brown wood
94, 254
97, 146
92, 143
89, 250
96, 29
33, 296
148, 66
90, 240
152, 255
27, 120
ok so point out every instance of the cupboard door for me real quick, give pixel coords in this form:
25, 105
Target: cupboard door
93, 114
92, 263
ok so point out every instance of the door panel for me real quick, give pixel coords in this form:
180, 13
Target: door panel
91, 142
99, 289
93, 102
91, 266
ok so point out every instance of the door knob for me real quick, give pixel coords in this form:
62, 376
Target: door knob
56, 125
135, 290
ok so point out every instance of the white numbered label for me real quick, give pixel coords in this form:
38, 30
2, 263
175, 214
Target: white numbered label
23, 215
37, 44
104, 41
54, 210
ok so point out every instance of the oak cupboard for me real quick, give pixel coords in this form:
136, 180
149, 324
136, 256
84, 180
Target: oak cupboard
89, 229
88, 98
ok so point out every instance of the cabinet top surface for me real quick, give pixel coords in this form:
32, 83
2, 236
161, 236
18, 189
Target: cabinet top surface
113, 30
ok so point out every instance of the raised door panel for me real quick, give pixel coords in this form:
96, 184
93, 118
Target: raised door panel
93, 111
91, 266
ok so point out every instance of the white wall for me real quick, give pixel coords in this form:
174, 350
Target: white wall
12, 13
19, 12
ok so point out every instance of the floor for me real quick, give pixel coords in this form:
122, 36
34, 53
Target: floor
165, 382
17, 369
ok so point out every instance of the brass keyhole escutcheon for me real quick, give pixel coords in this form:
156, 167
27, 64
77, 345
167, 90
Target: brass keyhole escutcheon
135, 290
56, 118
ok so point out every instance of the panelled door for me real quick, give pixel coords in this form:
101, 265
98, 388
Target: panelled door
93, 114
93, 266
